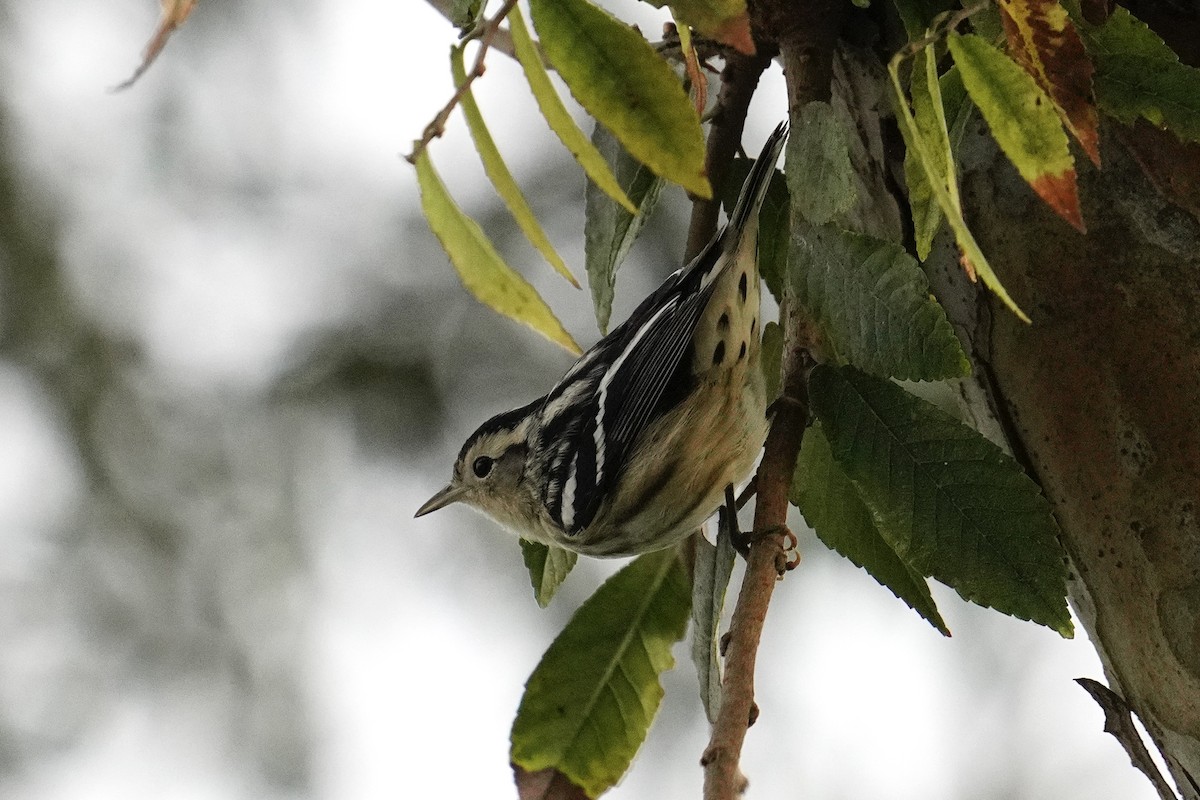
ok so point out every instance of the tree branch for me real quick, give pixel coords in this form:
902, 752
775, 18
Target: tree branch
487, 33
806, 32
739, 79
501, 39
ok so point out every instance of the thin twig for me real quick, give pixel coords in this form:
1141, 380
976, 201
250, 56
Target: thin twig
939, 27
501, 40
438, 126
722, 777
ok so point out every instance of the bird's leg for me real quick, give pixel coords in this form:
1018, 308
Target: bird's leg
787, 560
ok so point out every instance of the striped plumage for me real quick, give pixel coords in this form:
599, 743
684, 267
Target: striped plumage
633, 448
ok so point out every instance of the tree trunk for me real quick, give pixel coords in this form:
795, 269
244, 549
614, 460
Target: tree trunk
1100, 397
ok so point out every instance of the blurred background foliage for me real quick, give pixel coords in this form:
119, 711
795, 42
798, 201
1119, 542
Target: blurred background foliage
233, 361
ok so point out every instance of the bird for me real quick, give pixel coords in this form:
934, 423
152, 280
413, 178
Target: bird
636, 445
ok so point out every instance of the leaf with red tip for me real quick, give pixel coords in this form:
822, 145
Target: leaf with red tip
1043, 40
1022, 119
1061, 194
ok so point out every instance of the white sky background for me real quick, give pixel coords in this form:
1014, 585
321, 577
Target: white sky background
248, 191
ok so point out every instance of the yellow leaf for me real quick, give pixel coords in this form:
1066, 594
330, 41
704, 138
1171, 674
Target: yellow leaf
497, 171
558, 117
479, 266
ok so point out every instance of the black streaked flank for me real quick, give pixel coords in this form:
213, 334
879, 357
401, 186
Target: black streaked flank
719, 353
742, 288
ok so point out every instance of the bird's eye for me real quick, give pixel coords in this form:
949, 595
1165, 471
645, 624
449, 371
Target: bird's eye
482, 466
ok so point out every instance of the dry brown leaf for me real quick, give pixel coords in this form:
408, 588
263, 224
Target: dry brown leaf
1171, 165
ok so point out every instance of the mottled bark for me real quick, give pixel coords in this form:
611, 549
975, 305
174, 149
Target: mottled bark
1101, 397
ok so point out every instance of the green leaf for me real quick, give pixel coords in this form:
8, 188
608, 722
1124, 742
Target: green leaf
1139, 75
1122, 34
557, 116
948, 501
464, 14
714, 565
497, 172
819, 174
957, 104
917, 15
872, 300
608, 229
831, 505
619, 79
1166, 94
548, 567
589, 703
1022, 118
774, 221
931, 125
947, 194
771, 359
479, 266
724, 21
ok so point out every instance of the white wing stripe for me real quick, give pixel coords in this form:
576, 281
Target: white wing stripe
568, 496
608, 376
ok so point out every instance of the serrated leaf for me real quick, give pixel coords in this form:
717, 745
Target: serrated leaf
618, 78
948, 501
1042, 39
1165, 94
714, 565
820, 176
1125, 35
1139, 75
872, 301
608, 229
723, 21
498, 173
774, 222
831, 506
1023, 121
548, 567
771, 359
588, 704
947, 194
479, 266
556, 114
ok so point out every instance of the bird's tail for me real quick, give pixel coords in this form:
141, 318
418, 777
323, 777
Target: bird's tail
754, 190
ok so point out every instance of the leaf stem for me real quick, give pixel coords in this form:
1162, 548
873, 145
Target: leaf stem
486, 34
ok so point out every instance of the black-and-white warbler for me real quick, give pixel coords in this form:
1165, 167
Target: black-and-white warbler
633, 449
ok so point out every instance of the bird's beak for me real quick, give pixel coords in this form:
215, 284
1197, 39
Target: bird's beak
442, 499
